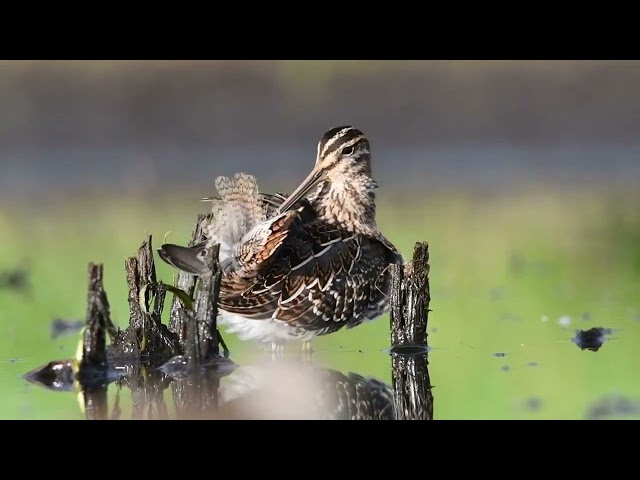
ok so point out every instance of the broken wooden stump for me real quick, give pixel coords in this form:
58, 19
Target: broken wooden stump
206, 306
190, 355
146, 335
410, 298
202, 340
94, 346
91, 368
195, 389
88, 372
187, 282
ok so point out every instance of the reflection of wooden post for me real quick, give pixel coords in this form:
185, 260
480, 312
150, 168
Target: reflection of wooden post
410, 297
412, 395
196, 395
147, 393
96, 406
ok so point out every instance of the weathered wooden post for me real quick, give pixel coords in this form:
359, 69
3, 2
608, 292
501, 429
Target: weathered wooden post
186, 283
140, 271
196, 393
201, 337
94, 344
410, 298
206, 307
147, 342
92, 368
146, 334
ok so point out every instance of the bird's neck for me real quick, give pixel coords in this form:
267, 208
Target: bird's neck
348, 203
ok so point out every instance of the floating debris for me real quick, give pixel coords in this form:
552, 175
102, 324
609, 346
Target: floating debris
533, 403
63, 326
532, 364
16, 279
505, 368
586, 316
613, 406
499, 354
591, 339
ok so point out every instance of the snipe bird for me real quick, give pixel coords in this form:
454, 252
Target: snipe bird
300, 265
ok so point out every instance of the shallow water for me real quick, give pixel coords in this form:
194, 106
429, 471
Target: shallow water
551, 377
513, 278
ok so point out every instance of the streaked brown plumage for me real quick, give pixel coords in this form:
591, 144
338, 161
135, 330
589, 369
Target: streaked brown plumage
299, 265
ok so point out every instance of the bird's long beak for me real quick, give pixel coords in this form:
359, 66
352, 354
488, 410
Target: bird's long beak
311, 181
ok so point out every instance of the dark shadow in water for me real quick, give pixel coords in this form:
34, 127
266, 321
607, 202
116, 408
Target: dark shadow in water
276, 389
64, 326
614, 406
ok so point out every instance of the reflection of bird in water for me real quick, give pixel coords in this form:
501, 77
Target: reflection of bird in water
301, 265
303, 392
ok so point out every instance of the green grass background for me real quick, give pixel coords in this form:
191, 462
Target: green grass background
499, 263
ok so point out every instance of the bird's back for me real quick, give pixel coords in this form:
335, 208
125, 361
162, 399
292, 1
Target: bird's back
321, 277
236, 211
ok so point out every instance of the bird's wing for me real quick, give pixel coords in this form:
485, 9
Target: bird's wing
271, 200
258, 245
320, 276
187, 259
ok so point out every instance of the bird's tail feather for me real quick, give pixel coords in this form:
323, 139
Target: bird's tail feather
237, 211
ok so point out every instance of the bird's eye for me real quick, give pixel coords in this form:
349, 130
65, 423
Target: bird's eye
348, 150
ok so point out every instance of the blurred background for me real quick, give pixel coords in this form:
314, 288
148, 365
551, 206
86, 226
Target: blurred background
521, 175
79, 124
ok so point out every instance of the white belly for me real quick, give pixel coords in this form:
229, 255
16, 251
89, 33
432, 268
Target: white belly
261, 330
